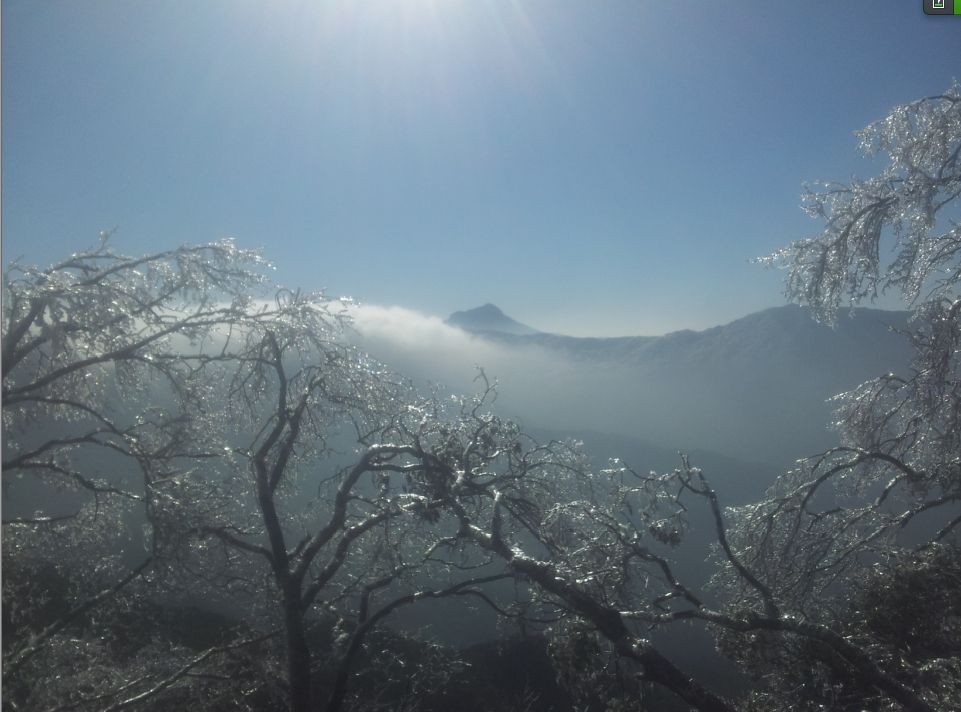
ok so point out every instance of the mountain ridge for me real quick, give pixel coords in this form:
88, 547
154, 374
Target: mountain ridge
778, 324
762, 384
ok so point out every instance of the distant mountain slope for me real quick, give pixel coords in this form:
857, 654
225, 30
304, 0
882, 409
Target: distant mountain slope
489, 319
757, 388
787, 331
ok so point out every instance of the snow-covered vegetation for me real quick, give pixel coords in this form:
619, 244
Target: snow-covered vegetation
182, 437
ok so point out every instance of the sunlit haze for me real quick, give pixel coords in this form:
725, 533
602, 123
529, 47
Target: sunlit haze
481, 355
591, 168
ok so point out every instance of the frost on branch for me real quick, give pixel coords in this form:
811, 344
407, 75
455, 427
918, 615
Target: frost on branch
875, 510
895, 231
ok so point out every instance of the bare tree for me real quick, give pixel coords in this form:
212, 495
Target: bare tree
886, 499
594, 547
358, 548
537, 512
98, 429
180, 401
792, 566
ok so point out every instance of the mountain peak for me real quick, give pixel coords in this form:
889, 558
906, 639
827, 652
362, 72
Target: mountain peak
486, 309
488, 318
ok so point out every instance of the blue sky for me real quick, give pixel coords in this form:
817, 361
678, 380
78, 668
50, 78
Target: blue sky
594, 168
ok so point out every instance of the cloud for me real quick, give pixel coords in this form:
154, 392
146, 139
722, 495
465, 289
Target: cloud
411, 331
543, 388
689, 391
425, 348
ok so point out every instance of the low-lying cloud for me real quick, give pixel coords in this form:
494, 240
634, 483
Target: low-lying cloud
755, 389
426, 348
546, 388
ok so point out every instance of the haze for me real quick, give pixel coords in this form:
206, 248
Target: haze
594, 170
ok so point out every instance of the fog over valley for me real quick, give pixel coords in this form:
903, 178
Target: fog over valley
480, 356
758, 388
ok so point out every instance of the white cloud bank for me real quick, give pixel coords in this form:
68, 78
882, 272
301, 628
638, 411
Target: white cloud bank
747, 394
543, 388
424, 347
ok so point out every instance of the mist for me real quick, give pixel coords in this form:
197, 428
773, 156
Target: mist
758, 389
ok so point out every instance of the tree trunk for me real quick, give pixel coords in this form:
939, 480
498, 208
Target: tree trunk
662, 671
298, 654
